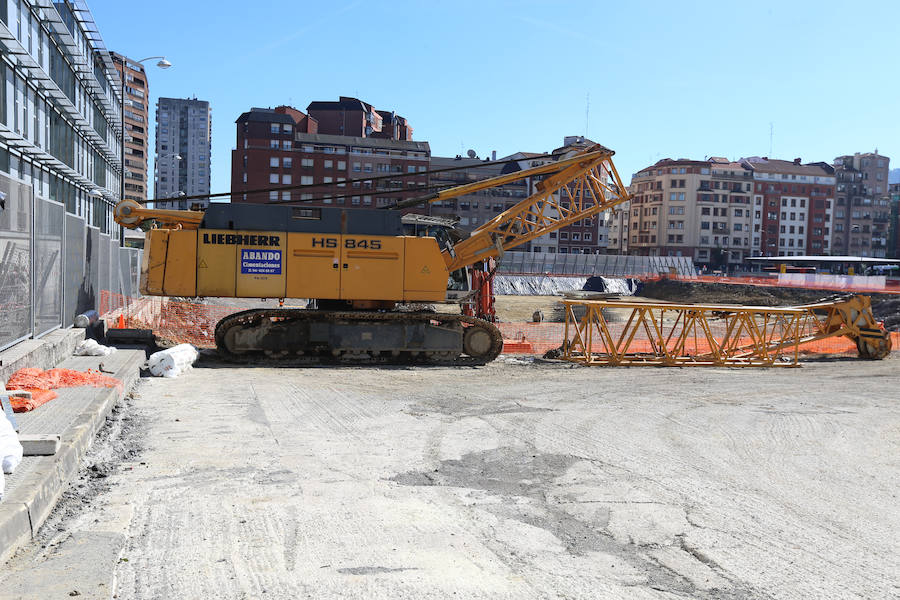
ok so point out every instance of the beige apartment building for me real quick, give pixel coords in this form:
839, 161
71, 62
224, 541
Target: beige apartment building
699, 209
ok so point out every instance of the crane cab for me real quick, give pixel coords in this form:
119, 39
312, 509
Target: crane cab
259, 251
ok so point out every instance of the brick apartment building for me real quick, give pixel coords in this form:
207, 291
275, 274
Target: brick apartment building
286, 147
862, 212
793, 207
137, 94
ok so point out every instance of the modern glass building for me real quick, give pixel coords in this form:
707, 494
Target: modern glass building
60, 123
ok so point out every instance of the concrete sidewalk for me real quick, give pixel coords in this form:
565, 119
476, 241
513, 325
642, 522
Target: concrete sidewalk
75, 416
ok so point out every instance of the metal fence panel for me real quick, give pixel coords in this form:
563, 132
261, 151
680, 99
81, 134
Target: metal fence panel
115, 286
103, 264
75, 285
49, 224
124, 273
92, 270
15, 261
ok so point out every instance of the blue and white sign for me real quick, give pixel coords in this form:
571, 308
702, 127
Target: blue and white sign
261, 262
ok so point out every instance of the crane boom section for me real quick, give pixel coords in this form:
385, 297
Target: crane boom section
580, 188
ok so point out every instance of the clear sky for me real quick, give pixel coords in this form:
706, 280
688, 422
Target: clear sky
648, 79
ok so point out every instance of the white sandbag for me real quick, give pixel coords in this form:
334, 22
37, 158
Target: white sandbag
91, 347
10, 448
172, 362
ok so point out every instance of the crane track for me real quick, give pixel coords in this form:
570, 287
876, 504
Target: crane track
249, 317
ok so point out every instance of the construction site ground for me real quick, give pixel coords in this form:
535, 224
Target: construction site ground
520, 479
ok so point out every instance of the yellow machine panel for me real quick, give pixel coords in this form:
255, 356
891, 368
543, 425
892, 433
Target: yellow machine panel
260, 264
215, 263
313, 266
153, 270
181, 264
371, 267
424, 271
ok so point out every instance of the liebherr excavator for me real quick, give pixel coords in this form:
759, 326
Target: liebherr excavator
357, 265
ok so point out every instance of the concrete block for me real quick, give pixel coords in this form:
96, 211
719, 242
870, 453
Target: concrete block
15, 528
38, 491
39, 444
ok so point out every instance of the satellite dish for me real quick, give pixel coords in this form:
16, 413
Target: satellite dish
471, 154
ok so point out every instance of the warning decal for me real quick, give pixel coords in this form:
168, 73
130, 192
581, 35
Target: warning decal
261, 262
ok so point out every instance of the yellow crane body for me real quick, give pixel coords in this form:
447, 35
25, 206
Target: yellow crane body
357, 265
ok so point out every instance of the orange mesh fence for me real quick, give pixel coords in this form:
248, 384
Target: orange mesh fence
538, 338
182, 321
40, 383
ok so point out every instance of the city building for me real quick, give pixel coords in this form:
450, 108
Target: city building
719, 212
894, 226
683, 207
183, 146
477, 208
60, 108
353, 117
862, 211
137, 95
287, 148
586, 236
792, 206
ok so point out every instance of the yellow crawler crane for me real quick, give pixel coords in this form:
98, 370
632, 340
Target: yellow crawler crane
357, 265
665, 334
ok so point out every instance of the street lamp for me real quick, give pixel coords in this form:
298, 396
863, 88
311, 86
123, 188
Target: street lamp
162, 64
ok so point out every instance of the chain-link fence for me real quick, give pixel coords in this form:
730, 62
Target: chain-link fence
53, 266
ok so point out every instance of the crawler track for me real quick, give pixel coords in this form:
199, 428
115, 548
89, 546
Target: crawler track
319, 353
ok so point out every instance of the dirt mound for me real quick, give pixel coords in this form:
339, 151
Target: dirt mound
726, 293
885, 307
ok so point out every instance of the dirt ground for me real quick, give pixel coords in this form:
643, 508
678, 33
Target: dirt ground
521, 479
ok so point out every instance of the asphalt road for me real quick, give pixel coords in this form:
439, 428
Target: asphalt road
514, 480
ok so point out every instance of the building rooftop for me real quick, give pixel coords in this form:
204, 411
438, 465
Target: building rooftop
794, 167
346, 140
264, 115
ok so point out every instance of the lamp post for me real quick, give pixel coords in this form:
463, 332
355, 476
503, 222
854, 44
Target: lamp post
162, 64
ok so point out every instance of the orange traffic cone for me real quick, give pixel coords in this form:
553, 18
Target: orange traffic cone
120, 324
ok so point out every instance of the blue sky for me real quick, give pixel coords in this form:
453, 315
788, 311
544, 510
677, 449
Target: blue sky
664, 79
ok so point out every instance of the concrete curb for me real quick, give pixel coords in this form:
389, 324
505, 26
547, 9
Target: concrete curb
28, 505
43, 353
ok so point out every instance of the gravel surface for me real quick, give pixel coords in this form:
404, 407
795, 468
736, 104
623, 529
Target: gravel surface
520, 479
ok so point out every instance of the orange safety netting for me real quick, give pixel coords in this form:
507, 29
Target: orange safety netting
180, 321
40, 383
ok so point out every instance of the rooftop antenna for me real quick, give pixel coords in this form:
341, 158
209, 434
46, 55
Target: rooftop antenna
587, 113
771, 139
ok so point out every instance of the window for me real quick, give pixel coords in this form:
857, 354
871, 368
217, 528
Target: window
307, 163
329, 164
306, 179
286, 179
286, 196
587, 236
576, 236
273, 195
704, 224
273, 162
287, 163
357, 167
327, 180
274, 128
342, 165
286, 144
273, 177
367, 167
272, 144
